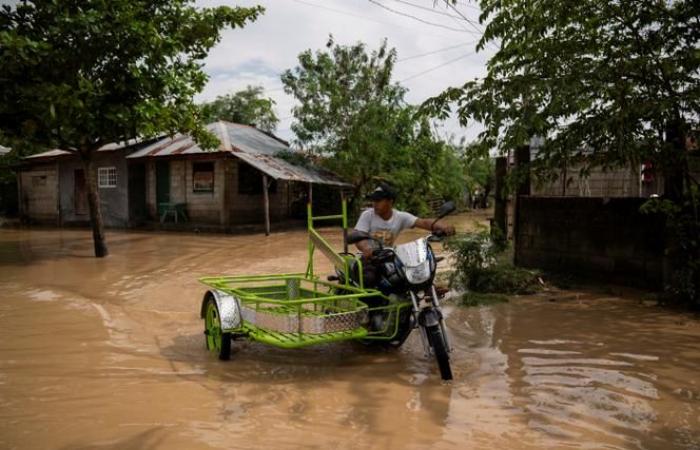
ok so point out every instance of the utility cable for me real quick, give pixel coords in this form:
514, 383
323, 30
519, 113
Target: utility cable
419, 19
350, 14
436, 67
436, 51
426, 8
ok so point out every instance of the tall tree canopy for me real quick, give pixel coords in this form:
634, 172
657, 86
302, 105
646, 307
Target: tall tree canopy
605, 83
352, 115
612, 82
248, 107
78, 74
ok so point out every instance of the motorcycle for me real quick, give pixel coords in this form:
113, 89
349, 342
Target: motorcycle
406, 272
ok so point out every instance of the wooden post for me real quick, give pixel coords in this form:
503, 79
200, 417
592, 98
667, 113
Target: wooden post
345, 220
20, 206
266, 196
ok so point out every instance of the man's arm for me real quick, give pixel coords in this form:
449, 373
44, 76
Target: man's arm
425, 224
366, 248
363, 225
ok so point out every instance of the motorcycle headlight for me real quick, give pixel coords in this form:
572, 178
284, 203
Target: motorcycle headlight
418, 274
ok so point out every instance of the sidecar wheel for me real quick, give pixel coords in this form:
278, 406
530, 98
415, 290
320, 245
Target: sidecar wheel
217, 341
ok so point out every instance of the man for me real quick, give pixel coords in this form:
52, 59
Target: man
384, 223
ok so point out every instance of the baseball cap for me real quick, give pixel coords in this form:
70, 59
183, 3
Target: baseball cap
383, 190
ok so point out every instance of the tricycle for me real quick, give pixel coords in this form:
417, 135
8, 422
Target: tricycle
300, 309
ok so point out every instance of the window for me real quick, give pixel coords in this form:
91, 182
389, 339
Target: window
250, 181
203, 177
107, 177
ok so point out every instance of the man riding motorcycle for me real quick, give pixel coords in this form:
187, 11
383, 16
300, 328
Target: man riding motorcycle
384, 223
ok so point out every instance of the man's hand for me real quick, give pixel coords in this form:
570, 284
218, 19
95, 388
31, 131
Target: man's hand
427, 224
447, 230
366, 248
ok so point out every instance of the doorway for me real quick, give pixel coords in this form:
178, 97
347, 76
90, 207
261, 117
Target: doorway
80, 201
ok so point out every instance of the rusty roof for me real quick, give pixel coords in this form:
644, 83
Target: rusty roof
247, 143
105, 148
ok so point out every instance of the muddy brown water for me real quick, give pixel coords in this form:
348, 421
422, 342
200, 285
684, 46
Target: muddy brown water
109, 354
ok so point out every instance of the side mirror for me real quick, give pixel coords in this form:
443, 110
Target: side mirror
446, 208
357, 236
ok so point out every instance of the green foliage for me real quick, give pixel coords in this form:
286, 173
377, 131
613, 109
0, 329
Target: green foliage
247, 107
80, 74
354, 117
481, 267
684, 226
479, 172
604, 83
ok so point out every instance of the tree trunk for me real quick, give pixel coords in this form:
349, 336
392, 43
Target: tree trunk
98, 234
266, 205
674, 162
500, 212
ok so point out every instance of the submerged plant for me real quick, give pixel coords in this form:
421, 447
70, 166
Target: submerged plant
482, 266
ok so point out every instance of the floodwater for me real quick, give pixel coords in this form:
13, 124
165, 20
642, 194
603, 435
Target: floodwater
109, 354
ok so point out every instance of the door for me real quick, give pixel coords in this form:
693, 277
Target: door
80, 202
162, 184
137, 193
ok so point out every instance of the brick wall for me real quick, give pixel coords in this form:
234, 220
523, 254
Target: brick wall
606, 239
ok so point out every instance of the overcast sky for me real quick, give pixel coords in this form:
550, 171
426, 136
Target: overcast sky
260, 52
431, 56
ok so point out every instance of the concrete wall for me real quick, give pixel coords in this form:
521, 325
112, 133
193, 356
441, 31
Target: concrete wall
607, 239
39, 193
623, 182
225, 206
248, 209
114, 201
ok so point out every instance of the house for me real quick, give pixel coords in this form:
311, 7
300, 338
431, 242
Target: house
52, 189
173, 181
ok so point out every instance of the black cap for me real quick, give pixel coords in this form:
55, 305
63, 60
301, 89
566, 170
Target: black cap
382, 191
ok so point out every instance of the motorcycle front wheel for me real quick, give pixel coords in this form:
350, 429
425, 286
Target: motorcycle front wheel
437, 341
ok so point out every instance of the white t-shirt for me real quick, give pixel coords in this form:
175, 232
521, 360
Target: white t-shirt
385, 231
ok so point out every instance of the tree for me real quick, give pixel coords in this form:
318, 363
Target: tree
479, 174
248, 107
79, 74
604, 83
346, 98
352, 115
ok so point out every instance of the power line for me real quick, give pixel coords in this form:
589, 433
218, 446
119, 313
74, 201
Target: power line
346, 13
469, 21
436, 67
425, 8
418, 18
468, 5
436, 51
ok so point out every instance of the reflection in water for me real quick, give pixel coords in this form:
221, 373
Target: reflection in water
108, 354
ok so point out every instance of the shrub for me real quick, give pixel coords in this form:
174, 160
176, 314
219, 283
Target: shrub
482, 267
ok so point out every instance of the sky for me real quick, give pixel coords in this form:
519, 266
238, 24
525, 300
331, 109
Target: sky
431, 56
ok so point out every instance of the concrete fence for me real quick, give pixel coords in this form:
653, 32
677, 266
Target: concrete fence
599, 238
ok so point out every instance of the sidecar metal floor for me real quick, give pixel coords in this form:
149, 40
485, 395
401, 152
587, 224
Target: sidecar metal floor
298, 340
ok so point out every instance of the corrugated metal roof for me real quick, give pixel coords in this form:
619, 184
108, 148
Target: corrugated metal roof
247, 143
48, 154
105, 148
